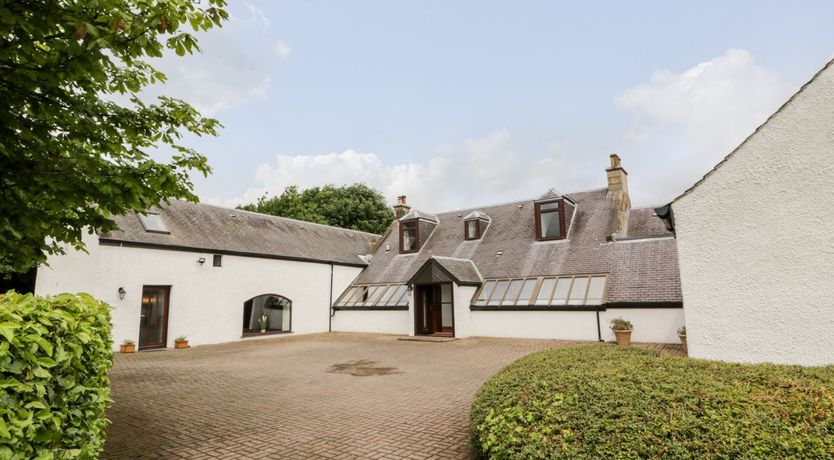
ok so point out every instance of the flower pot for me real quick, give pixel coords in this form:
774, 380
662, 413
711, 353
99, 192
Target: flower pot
183, 344
623, 338
683, 342
127, 348
263, 330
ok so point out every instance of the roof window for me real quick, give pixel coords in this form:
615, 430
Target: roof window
543, 291
384, 295
153, 223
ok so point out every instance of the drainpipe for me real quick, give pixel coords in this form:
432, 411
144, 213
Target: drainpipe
332, 312
599, 330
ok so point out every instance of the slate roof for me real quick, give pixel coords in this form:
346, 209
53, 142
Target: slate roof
639, 271
417, 214
208, 228
643, 222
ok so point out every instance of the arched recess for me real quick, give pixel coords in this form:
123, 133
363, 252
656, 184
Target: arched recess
270, 310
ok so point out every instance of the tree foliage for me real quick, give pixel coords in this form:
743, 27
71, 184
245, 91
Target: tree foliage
70, 155
356, 206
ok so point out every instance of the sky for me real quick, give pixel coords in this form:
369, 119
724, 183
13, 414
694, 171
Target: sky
458, 104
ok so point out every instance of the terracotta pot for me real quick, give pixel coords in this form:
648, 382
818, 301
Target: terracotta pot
183, 344
683, 342
127, 348
623, 338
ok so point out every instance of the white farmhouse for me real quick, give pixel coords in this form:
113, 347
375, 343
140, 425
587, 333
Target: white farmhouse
755, 240
559, 266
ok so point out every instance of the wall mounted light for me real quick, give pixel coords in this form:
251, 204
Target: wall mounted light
122, 293
201, 260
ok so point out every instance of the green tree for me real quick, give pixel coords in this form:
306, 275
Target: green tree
356, 206
70, 156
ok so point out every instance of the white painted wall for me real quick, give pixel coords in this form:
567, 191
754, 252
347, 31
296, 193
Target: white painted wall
755, 241
206, 302
655, 325
382, 322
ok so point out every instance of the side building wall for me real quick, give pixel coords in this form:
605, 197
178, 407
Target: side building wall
206, 302
754, 241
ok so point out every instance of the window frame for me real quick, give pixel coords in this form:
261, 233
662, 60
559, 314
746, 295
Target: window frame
562, 225
489, 303
403, 225
466, 235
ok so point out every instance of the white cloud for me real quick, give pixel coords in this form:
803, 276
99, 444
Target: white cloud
471, 173
232, 69
686, 122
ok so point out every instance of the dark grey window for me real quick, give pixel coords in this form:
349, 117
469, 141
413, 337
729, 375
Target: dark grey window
217, 261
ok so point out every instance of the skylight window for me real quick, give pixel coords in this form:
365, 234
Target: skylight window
153, 223
384, 295
542, 291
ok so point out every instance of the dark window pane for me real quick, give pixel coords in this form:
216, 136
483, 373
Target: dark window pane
267, 313
409, 236
217, 260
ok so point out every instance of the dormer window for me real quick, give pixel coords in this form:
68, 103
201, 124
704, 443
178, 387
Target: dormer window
409, 233
474, 225
550, 220
472, 229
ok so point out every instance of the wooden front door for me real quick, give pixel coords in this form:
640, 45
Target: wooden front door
153, 320
433, 310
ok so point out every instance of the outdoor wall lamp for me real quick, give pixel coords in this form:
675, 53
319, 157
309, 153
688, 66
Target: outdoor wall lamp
201, 260
122, 293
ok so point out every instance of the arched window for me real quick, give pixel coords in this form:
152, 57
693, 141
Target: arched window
267, 313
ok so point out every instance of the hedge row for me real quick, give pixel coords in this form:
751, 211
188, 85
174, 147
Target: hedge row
55, 353
603, 401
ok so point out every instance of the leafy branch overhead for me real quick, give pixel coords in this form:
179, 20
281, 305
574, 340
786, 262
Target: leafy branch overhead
71, 156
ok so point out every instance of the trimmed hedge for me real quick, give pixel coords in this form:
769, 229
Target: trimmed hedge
55, 353
603, 401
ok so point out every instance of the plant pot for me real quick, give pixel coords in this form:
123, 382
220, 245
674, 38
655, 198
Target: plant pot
623, 338
683, 342
127, 348
183, 344
263, 331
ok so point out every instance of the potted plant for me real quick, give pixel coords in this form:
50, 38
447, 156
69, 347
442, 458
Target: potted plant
263, 321
181, 342
622, 330
682, 336
128, 346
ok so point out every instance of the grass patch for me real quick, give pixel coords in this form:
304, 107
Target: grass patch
603, 401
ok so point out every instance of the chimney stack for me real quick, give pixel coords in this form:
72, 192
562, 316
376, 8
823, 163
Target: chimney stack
618, 192
401, 209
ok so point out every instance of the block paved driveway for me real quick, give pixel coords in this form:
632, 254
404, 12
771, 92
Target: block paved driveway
317, 396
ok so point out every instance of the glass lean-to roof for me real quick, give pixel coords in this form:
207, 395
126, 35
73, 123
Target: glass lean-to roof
380, 295
542, 291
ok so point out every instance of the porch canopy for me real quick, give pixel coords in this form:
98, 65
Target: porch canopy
439, 269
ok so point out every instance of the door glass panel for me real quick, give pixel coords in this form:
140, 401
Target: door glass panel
446, 293
152, 319
498, 294
446, 312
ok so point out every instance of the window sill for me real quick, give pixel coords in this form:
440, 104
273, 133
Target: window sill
259, 333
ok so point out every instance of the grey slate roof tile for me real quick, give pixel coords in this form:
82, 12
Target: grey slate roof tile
206, 227
638, 271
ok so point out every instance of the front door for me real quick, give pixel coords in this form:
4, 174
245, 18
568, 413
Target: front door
153, 322
433, 310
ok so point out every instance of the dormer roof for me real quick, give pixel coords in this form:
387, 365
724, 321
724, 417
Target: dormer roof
553, 194
476, 215
417, 214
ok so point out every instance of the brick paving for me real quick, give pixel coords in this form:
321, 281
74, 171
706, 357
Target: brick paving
323, 396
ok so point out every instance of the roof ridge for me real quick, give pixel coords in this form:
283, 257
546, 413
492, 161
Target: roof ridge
270, 216
495, 205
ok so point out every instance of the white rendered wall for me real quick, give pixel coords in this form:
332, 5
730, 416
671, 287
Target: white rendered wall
206, 302
655, 325
755, 242
382, 322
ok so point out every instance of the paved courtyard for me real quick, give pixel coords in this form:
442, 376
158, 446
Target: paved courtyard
319, 396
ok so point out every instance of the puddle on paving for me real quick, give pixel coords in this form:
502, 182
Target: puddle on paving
361, 368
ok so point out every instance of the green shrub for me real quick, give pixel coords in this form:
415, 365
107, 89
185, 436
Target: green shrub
602, 401
55, 353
